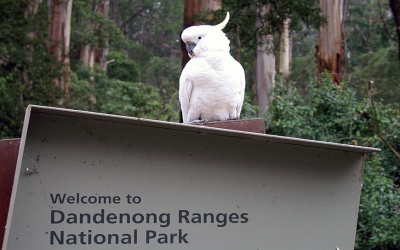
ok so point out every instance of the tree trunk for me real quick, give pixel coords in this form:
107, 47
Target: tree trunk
86, 56
395, 6
192, 7
330, 50
89, 55
59, 39
32, 10
65, 83
101, 53
285, 50
265, 65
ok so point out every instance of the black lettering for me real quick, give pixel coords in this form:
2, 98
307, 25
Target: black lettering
165, 219
150, 234
112, 218
111, 236
151, 216
82, 200
101, 240
162, 239
208, 215
57, 198
71, 199
127, 239
183, 215
92, 200
82, 236
61, 198
71, 239
88, 238
133, 199
141, 218
57, 220
98, 218
171, 238
221, 219
134, 237
54, 236
244, 218
136, 199
117, 200
127, 216
72, 219
234, 218
82, 218
196, 218
128, 199
182, 237
105, 200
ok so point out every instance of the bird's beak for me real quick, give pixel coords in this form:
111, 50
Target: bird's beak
189, 48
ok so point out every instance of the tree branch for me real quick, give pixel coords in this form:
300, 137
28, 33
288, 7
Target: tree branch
376, 122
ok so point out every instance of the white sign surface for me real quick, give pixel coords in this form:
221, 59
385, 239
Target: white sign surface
91, 181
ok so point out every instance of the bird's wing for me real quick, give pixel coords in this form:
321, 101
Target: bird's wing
185, 92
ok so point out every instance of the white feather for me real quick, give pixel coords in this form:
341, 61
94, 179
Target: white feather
212, 84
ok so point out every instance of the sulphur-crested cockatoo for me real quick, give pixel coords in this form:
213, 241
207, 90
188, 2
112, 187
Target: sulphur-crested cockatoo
211, 86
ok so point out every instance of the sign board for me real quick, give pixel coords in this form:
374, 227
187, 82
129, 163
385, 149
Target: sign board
96, 181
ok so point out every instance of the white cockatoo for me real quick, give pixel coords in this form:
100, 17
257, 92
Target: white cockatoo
212, 84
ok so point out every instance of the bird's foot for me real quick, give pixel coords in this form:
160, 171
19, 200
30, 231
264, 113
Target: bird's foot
198, 121
233, 118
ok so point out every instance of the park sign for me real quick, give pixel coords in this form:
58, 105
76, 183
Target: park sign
95, 181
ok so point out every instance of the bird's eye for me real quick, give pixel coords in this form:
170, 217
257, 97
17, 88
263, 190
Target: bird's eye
199, 37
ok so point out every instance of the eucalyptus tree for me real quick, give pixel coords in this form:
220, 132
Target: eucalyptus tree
261, 29
395, 6
330, 50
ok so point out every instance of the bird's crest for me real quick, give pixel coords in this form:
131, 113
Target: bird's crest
223, 23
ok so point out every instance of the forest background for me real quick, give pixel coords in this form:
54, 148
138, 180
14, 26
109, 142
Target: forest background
124, 57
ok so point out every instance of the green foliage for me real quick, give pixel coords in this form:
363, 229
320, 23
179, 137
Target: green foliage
243, 24
12, 59
127, 98
82, 89
92, 27
331, 113
13, 30
303, 52
249, 109
10, 108
381, 67
371, 48
26, 67
387, 127
379, 214
138, 52
326, 113
369, 27
301, 71
163, 73
95, 91
155, 25
123, 69
382, 63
